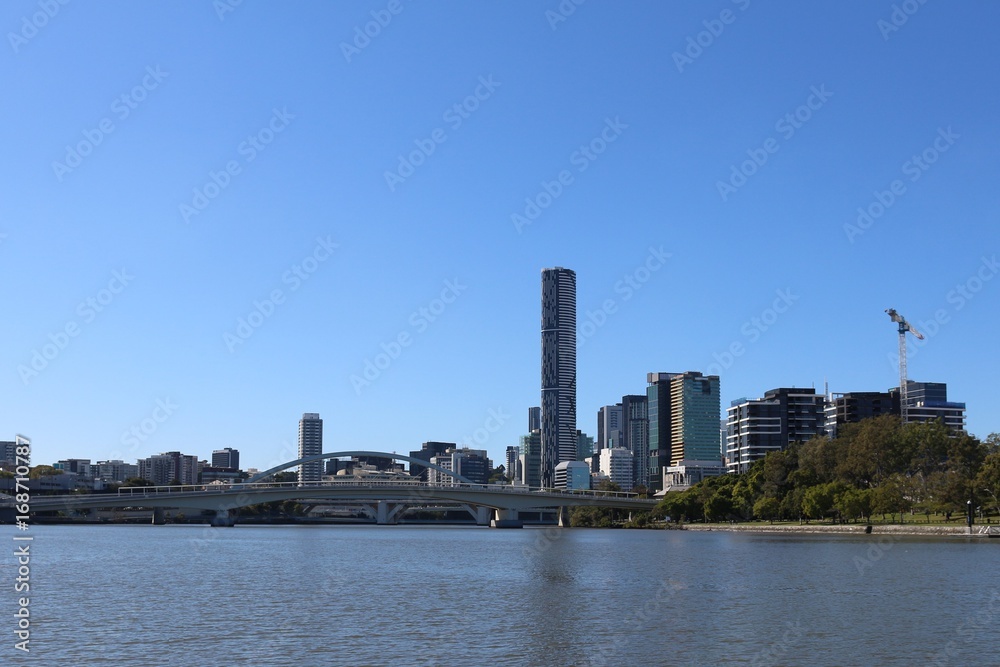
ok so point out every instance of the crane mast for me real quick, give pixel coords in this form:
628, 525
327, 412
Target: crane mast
904, 326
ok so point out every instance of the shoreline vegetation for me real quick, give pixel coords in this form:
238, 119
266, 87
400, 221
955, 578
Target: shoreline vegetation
907, 475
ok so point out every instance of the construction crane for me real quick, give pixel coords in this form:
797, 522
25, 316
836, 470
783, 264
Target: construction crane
904, 326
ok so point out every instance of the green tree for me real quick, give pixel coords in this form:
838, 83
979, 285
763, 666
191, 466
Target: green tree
987, 480
888, 498
591, 517
791, 504
852, 503
136, 481
817, 501
767, 508
818, 460
718, 506
874, 451
43, 471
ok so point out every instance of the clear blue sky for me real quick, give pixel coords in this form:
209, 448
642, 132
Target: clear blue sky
309, 128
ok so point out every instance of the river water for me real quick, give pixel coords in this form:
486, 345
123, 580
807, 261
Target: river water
405, 595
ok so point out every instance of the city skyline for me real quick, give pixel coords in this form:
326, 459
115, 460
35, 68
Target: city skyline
202, 254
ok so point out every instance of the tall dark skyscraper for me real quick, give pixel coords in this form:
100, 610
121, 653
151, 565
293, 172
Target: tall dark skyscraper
534, 419
310, 444
558, 370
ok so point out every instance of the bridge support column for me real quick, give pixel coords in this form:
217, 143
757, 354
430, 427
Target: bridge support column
507, 519
483, 515
563, 512
223, 519
158, 518
383, 516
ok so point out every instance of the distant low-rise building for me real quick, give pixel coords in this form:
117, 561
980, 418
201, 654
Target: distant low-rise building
688, 473
80, 467
227, 457
114, 471
573, 475
472, 464
616, 463
168, 467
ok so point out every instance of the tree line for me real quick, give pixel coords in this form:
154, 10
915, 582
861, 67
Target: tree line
874, 467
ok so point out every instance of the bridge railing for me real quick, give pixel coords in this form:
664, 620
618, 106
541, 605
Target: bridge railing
145, 491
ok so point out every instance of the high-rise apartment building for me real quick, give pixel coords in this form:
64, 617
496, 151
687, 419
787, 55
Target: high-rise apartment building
759, 426
928, 401
558, 412
854, 406
310, 444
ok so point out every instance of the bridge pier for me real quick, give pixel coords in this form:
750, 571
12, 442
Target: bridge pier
383, 516
158, 518
563, 512
506, 519
483, 515
223, 519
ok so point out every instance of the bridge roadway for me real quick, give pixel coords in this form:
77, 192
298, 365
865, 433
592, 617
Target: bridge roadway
390, 497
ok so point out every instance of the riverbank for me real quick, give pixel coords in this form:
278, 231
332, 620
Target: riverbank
915, 530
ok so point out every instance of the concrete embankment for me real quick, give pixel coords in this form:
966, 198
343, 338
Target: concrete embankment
913, 529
